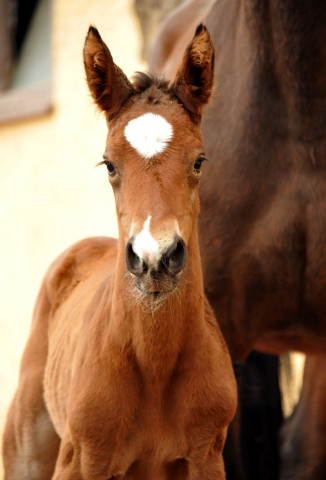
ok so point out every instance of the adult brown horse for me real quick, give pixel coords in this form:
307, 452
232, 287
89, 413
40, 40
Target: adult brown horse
263, 204
137, 379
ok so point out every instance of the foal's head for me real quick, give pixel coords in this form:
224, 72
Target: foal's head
154, 152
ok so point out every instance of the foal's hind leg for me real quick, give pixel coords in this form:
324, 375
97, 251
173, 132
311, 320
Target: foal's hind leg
30, 443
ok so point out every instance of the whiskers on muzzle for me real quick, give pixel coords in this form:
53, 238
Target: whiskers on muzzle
155, 269
151, 300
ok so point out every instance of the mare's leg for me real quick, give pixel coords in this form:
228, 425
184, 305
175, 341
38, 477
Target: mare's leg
231, 452
251, 448
303, 449
261, 416
30, 443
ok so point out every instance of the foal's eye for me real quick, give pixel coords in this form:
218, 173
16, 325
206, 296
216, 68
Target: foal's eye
197, 165
111, 168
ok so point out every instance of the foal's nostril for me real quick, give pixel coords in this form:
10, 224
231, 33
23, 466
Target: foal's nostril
133, 262
173, 260
175, 257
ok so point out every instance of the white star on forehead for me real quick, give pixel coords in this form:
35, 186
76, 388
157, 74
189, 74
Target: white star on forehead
149, 134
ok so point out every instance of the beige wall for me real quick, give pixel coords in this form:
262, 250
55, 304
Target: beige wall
51, 194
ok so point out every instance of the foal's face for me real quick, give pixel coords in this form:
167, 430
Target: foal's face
154, 156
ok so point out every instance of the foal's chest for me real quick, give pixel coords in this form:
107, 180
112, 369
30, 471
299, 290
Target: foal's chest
127, 423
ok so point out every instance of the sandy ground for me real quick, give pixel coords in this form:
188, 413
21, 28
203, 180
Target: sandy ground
51, 195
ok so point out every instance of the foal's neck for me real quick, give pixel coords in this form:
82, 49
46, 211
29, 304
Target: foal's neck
159, 332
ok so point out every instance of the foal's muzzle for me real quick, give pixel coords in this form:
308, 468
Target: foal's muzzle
171, 262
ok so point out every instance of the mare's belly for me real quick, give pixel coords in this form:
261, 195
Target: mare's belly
268, 286
298, 337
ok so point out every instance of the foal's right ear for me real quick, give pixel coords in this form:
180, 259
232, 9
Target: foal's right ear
194, 80
107, 83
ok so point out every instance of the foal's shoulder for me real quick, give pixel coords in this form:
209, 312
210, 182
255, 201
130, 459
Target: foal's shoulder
76, 264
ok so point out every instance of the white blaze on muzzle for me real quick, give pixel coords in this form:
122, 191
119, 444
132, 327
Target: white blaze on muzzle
145, 246
149, 134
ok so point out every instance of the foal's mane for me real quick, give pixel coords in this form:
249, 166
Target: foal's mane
149, 87
157, 88
152, 87
145, 80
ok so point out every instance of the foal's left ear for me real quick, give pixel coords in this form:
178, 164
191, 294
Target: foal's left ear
194, 80
108, 84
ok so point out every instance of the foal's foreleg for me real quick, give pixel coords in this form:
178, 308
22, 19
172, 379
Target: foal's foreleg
30, 443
